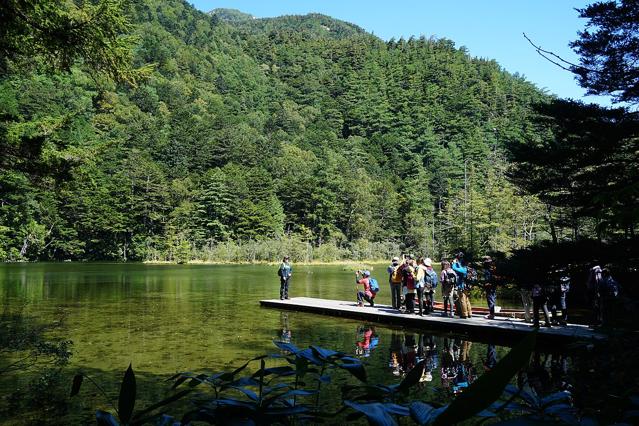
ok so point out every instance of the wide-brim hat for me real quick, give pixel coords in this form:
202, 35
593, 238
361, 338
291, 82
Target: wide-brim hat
428, 262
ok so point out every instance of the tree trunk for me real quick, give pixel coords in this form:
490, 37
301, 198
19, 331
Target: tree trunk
553, 230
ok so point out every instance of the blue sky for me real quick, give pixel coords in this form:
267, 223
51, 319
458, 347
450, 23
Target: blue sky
488, 28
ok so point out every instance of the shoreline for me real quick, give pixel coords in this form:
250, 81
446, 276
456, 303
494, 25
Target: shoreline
263, 262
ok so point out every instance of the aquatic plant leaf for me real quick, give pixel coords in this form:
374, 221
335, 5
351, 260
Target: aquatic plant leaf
267, 390
162, 403
375, 413
229, 376
283, 397
179, 381
126, 399
555, 398
77, 382
488, 387
236, 403
103, 418
413, 376
243, 381
278, 371
286, 346
310, 355
323, 352
396, 409
285, 411
356, 370
486, 414
423, 413
252, 395
529, 398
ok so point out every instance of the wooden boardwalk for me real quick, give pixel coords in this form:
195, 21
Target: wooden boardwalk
495, 329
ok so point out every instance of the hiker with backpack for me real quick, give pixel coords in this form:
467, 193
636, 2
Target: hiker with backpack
430, 284
594, 285
420, 282
559, 301
540, 301
363, 278
608, 294
449, 282
460, 268
395, 282
285, 272
408, 273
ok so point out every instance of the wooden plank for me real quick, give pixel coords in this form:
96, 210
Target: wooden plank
486, 328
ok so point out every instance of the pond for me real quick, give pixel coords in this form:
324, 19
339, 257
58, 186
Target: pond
169, 318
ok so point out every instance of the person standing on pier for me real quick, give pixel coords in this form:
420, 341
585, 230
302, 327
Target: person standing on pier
449, 281
490, 286
395, 282
430, 281
540, 301
285, 272
459, 266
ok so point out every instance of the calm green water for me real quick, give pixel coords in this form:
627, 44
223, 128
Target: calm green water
168, 318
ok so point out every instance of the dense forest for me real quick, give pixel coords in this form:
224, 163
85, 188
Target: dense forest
247, 138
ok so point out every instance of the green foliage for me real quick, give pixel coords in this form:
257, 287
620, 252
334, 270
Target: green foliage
254, 135
583, 161
608, 50
59, 33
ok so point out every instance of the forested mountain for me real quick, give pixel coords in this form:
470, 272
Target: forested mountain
249, 132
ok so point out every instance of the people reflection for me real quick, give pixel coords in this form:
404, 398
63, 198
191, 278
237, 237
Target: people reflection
395, 353
427, 351
409, 353
285, 330
457, 371
367, 340
491, 357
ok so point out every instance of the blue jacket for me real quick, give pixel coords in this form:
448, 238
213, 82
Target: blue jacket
285, 270
461, 271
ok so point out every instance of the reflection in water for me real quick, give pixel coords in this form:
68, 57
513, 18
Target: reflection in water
366, 341
285, 333
546, 374
458, 371
172, 318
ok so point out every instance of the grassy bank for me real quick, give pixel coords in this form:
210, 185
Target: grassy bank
272, 251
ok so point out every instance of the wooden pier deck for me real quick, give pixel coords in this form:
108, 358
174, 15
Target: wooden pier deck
497, 329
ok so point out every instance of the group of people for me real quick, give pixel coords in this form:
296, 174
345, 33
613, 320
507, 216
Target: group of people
413, 281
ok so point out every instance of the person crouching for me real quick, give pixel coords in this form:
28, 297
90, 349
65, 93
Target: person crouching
362, 278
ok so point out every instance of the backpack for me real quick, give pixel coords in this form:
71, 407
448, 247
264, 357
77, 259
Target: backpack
396, 276
611, 288
374, 285
450, 278
471, 277
279, 272
430, 279
409, 275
